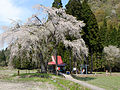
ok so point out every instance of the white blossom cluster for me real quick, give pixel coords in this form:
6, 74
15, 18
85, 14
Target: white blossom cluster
112, 53
38, 33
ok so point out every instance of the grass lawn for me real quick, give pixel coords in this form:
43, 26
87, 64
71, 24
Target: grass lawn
107, 82
57, 81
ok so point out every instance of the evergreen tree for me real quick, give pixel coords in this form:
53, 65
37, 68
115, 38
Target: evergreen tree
57, 4
113, 37
103, 30
2, 58
74, 8
90, 31
118, 37
108, 36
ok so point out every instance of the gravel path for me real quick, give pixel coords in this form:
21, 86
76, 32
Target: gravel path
69, 77
26, 86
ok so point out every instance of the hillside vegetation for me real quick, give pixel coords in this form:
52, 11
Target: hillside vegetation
109, 9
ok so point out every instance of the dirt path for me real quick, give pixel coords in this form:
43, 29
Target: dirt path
69, 77
26, 86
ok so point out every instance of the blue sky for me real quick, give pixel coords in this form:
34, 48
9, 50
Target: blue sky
20, 9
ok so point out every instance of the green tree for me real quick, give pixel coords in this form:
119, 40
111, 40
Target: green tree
108, 36
7, 55
57, 4
74, 8
91, 31
113, 37
3, 58
118, 37
103, 30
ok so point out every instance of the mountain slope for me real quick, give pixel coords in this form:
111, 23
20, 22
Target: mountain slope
109, 9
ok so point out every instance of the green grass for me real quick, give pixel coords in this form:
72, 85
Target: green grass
66, 84
83, 78
107, 82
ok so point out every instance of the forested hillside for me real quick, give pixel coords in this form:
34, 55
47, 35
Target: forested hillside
109, 9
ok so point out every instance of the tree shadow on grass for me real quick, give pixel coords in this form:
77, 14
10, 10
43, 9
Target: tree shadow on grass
83, 78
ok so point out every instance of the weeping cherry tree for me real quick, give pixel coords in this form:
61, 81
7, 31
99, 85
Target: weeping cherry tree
39, 37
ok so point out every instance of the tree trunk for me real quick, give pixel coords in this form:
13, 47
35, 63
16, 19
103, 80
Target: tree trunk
18, 72
46, 65
74, 63
70, 65
42, 63
5, 62
87, 65
10, 65
101, 63
56, 61
91, 63
42, 68
110, 70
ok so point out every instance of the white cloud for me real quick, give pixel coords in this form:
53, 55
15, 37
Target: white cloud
9, 10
